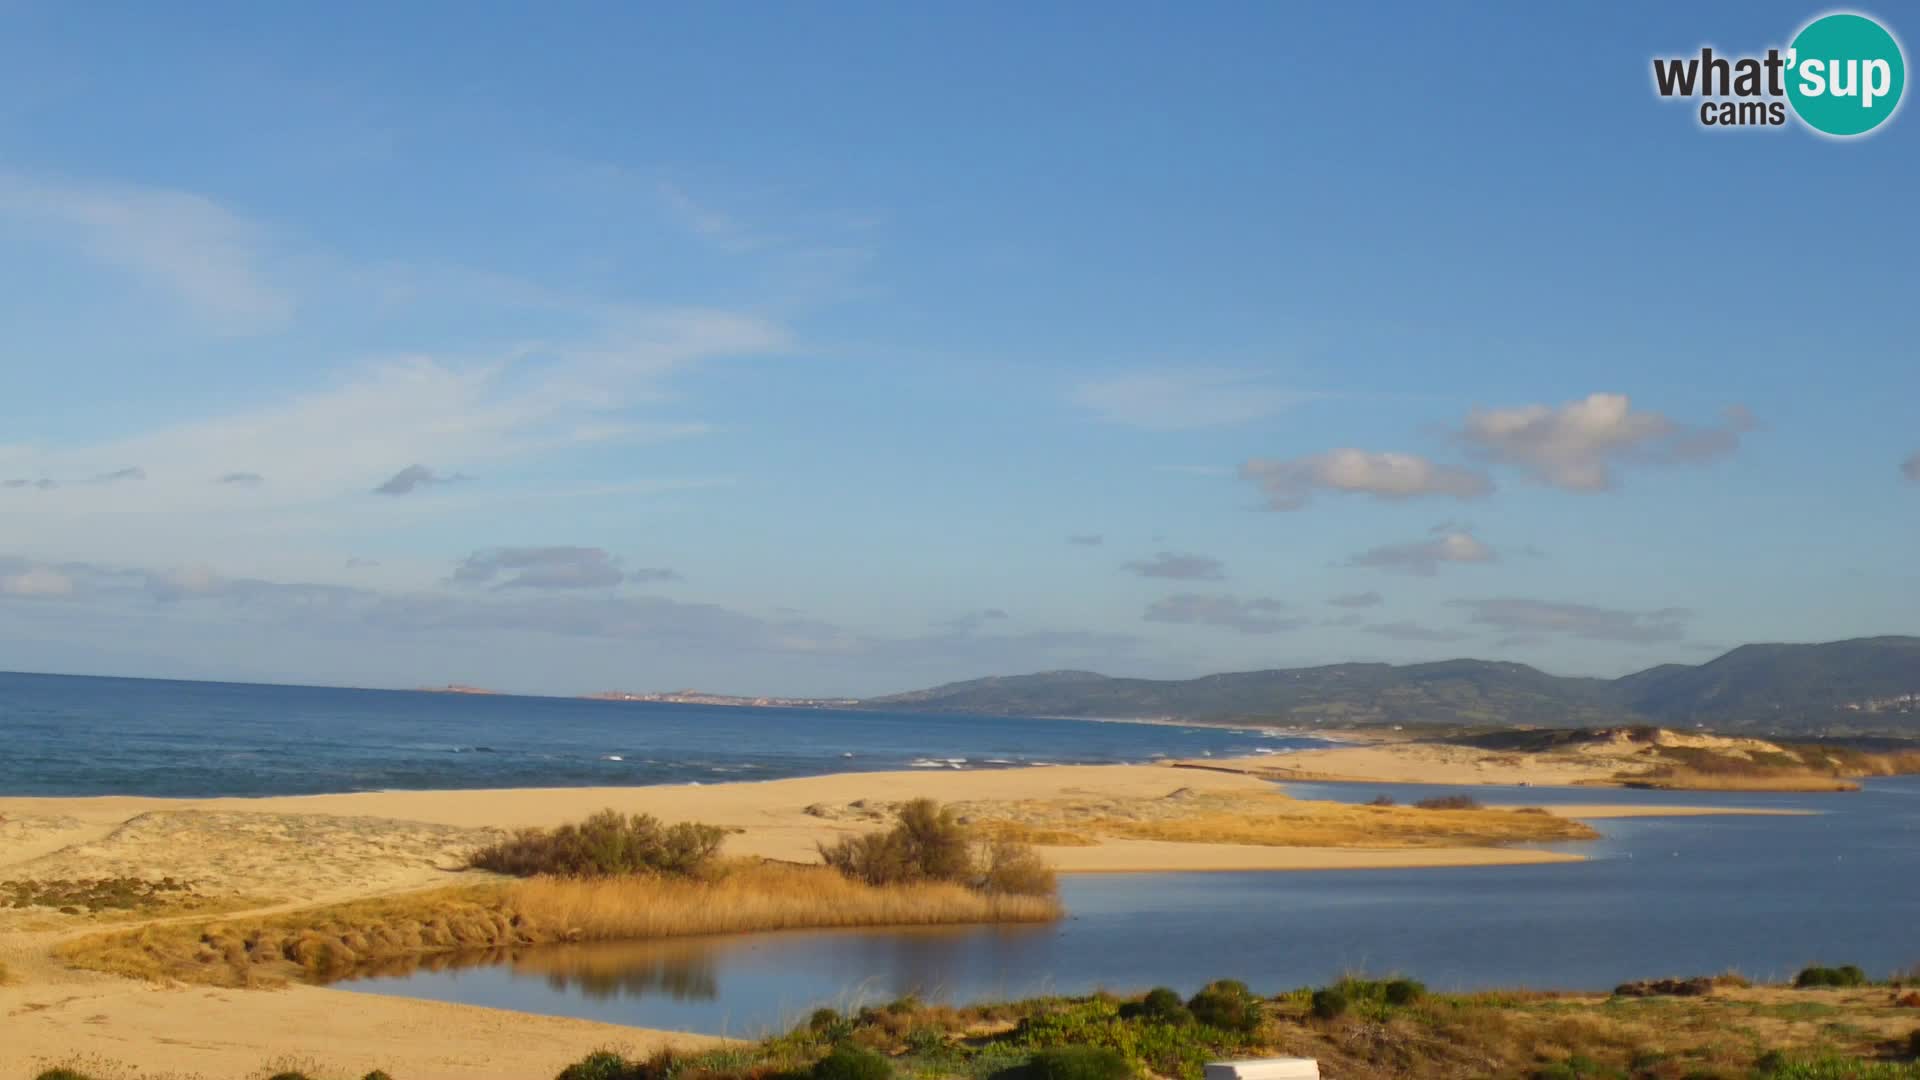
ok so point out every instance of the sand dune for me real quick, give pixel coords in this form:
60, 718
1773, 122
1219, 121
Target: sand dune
275, 854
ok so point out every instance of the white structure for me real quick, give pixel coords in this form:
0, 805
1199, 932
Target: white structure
1264, 1069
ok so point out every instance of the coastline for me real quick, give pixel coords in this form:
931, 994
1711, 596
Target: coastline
311, 850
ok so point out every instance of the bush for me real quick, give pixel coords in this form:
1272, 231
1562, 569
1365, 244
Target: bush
1450, 802
1226, 1004
1330, 1002
603, 1065
608, 844
852, 1063
1403, 991
1844, 976
1382, 800
377, 1074
1079, 1063
1913, 1044
1160, 1006
930, 843
1015, 868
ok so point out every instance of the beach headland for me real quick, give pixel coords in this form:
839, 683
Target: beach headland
278, 862
1638, 757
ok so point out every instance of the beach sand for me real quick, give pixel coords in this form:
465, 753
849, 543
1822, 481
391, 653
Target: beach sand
273, 854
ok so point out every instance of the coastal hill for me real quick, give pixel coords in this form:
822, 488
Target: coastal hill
1862, 686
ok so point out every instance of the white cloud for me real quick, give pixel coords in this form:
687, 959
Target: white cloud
1289, 484
1424, 557
203, 254
1186, 399
1576, 446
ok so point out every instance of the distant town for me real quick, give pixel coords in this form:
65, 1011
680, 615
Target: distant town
701, 697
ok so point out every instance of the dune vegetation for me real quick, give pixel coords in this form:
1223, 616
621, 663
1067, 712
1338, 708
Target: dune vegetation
612, 877
1271, 819
1358, 1029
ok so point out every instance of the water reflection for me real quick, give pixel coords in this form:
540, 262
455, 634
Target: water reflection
1657, 897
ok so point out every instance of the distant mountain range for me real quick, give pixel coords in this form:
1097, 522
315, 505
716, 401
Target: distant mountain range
1863, 686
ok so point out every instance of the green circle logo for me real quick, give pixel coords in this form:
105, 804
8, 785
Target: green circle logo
1845, 74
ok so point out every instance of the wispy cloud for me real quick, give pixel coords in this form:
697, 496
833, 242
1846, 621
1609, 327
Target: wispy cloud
241, 479
1424, 557
1412, 631
1178, 400
1357, 600
1910, 468
1290, 484
550, 568
1257, 615
413, 478
131, 472
1086, 539
207, 256
1179, 565
1523, 616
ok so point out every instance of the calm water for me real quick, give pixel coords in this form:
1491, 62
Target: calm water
1660, 896
62, 735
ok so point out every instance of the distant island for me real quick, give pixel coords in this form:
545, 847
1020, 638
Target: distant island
457, 688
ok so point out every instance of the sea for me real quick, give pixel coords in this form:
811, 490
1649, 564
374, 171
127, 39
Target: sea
78, 735
1654, 897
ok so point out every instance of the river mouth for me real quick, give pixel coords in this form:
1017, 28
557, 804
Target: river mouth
1656, 897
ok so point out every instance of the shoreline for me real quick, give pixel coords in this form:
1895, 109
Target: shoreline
355, 846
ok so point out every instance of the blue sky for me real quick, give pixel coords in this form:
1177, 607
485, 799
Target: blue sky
776, 349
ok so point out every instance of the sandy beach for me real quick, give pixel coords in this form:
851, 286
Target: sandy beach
279, 854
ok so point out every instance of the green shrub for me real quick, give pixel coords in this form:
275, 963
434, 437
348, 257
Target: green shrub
1330, 1002
1160, 1006
852, 1063
927, 1042
1843, 976
930, 843
1226, 1004
1079, 1063
603, 1065
608, 844
1403, 991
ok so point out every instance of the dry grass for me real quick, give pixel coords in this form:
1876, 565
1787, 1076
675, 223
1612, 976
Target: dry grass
767, 897
1274, 820
1684, 779
327, 942
1021, 833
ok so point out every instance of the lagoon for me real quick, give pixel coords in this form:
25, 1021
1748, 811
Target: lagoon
1656, 896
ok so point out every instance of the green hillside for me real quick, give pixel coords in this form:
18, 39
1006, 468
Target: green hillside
1869, 685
